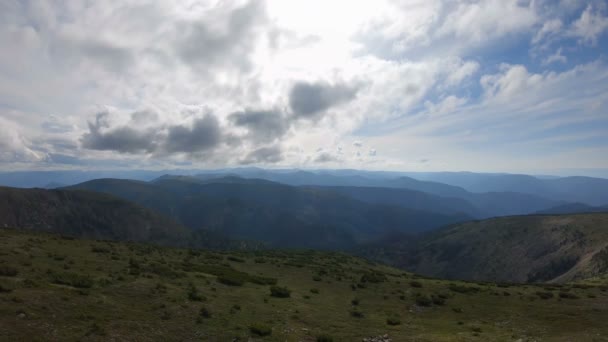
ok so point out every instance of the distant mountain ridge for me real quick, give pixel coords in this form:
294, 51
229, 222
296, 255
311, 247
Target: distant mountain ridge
588, 190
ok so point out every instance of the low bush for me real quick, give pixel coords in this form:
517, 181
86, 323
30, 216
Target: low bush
325, 338
463, 289
8, 271
568, 295
373, 277
544, 294
235, 259
357, 313
260, 329
423, 300
72, 279
415, 284
205, 313
280, 292
393, 321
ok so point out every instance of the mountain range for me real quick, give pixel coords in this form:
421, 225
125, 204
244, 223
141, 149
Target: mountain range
277, 214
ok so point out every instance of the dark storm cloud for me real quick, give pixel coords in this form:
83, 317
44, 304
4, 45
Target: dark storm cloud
270, 154
204, 134
263, 125
204, 46
122, 139
307, 100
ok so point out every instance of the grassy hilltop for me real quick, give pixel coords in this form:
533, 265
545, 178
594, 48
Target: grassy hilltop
54, 288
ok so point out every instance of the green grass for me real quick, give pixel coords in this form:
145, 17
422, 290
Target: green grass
66, 289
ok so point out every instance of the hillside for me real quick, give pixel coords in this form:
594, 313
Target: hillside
278, 214
96, 215
53, 288
536, 248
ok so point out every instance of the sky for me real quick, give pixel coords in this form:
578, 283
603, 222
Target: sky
420, 85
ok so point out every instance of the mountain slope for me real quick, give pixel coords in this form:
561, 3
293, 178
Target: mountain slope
572, 208
511, 249
85, 214
95, 215
282, 215
407, 198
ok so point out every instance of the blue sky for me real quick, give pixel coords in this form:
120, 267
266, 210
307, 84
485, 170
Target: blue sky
500, 86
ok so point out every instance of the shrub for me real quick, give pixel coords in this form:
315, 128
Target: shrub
194, 295
463, 288
204, 312
315, 291
280, 292
317, 278
544, 294
415, 284
423, 300
373, 277
5, 288
8, 271
357, 313
235, 259
230, 280
393, 321
72, 279
567, 295
325, 338
262, 280
260, 329
355, 301
438, 300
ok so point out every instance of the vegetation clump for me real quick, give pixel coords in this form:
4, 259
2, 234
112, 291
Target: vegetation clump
373, 277
8, 271
463, 289
72, 279
325, 338
393, 320
260, 329
280, 292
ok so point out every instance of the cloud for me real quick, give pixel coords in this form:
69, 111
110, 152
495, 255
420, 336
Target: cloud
325, 157
201, 135
307, 100
549, 29
589, 26
204, 134
556, 57
262, 125
272, 154
14, 147
223, 38
122, 139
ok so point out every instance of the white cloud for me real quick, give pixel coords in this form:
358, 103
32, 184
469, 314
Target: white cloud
556, 57
589, 26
